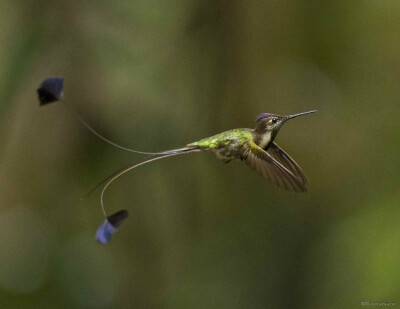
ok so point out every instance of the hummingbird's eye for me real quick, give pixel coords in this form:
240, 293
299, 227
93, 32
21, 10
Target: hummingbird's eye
274, 120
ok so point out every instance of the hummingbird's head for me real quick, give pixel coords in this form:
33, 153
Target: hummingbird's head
272, 122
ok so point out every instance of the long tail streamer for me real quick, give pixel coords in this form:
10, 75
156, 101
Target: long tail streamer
51, 90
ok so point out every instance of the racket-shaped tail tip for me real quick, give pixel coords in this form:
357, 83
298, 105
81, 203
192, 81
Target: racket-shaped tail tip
51, 90
109, 226
104, 232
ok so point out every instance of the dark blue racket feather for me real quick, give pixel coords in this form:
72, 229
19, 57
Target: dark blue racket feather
51, 90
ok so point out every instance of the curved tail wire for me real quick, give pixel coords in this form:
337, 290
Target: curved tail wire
90, 128
177, 152
161, 155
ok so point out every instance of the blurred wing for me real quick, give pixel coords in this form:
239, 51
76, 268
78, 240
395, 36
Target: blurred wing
282, 157
271, 169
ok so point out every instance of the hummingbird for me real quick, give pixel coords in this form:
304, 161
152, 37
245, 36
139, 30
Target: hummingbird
256, 147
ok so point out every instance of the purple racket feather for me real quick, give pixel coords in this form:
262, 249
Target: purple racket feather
109, 226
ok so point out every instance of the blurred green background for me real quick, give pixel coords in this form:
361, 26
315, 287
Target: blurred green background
155, 75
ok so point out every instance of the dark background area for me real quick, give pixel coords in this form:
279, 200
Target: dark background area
155, 75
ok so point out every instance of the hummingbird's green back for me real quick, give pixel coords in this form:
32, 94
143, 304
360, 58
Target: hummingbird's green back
224, 139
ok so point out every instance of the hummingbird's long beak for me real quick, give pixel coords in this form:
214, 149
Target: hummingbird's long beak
299, 114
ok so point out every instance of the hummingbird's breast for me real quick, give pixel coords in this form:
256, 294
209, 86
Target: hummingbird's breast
228, 152
263, 140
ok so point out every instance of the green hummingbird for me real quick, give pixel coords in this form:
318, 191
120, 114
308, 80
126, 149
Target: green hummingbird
256, 147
